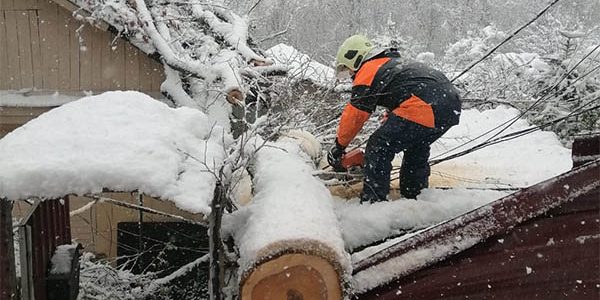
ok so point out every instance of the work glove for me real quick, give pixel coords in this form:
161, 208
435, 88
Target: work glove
335, 155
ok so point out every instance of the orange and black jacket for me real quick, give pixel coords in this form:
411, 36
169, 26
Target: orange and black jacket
410, 90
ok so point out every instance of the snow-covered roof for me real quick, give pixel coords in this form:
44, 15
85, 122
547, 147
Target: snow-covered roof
302, 67
461, 233
121, 141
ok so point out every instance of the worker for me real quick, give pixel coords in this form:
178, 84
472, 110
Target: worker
422, 104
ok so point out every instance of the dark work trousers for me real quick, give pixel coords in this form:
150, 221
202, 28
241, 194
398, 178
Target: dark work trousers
394, 136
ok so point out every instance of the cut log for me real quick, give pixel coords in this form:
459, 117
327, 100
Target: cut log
289, 239
235, 97
294, 276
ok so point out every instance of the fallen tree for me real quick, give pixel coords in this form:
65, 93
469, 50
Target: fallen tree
289, 238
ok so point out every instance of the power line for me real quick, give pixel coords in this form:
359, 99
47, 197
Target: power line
519, 133
542, 98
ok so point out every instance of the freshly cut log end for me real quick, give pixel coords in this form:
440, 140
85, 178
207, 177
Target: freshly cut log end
293, 277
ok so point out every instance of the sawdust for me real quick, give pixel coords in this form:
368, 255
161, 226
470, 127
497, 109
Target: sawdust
442, 176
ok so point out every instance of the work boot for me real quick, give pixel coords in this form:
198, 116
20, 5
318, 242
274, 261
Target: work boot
365, 198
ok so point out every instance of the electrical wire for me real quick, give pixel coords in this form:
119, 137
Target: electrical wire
505, 125
513, 34
517, 134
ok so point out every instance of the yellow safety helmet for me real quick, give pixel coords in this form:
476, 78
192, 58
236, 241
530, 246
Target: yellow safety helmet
352, 52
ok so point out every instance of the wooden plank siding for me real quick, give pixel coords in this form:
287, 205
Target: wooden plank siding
3, 53
24, 43
36, 51
74, 52
48, 19
132, 75
13, 117
12, 48
8, 283
96, 54
96, 229
62, 40
41, 48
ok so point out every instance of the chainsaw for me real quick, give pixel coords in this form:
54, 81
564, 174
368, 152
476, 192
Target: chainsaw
353, 159
352, 162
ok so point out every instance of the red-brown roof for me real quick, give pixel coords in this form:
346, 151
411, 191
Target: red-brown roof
465, 254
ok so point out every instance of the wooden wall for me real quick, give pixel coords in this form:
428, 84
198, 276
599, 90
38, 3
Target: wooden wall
96, 228
42, 46
13, 117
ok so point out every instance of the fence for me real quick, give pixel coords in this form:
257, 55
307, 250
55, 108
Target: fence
45, 227
7, 258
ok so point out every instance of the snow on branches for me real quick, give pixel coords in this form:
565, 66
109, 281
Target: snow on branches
203, 45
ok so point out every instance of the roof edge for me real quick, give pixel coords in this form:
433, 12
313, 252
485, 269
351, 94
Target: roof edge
467, 230
76, 9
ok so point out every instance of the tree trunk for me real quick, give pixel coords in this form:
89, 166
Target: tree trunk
291, 245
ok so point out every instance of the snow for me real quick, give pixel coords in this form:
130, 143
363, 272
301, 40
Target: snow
127, 141
307, 142
528, 270
289, 205
121, 141
204, 42
61, 261
583, 238
302, 67
121, 16
235, 31
363, 224
526, 64
514, 164
520, 162
177, 273
425, 57
414, 259
30, 99
162, 45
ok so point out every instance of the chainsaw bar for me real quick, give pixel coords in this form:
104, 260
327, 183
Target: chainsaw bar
331, 178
